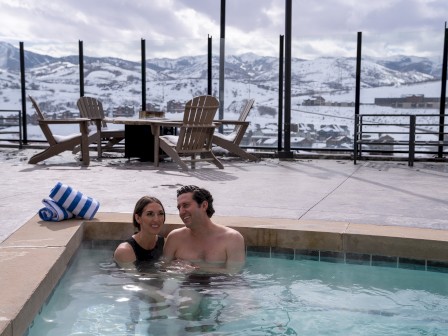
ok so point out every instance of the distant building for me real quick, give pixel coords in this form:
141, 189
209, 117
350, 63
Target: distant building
61, 115
301, 142
270, 142
9, 120
68, 115
411, 101
382, 146
153, 107
315, 101
124, 111
320, 101
295, 142
175, 106
33, 119
306, 130
338, 141
268, 133
328, 131
340, 104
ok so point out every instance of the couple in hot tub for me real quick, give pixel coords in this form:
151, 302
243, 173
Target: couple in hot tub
201, 244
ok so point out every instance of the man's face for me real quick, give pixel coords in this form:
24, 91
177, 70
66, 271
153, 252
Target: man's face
189, 211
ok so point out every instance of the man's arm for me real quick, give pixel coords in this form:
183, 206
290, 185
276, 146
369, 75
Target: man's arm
169, 248
235, 256
236, 253
171, 244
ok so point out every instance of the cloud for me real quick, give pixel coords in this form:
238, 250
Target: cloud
173, 27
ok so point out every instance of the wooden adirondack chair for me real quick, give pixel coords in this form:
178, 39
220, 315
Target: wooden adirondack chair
232, 141
194, 142
92, 108
60, 143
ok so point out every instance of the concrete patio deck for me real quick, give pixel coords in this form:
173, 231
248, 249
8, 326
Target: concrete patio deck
381, 208
371, 192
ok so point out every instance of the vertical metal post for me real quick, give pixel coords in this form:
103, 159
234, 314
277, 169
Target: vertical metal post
286, 153
357, 134
222, 59
81, 68
23, 91
280, 95
443, 94
412, 121
209, 65
143, 66
357, 95
358, 72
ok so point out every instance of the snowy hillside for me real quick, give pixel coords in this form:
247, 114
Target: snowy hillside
54, 82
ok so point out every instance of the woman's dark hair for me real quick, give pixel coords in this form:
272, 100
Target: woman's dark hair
199, 195
140, 205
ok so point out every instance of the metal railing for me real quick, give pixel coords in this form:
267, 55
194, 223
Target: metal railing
397, 134
8, 125
401, 144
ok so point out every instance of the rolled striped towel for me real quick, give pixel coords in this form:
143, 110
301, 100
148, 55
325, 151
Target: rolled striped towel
53, 212
74, 201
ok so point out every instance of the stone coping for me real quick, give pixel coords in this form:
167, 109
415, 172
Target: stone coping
34, 258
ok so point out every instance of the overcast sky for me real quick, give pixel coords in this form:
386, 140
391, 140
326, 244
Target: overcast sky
180, 27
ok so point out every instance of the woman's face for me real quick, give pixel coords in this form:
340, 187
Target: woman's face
152, 218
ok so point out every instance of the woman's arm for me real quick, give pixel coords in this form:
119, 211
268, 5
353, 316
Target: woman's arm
124, 255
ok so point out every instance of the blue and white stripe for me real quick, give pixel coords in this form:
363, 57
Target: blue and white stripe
53, 212
74, 201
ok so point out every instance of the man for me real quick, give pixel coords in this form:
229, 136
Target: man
208, 246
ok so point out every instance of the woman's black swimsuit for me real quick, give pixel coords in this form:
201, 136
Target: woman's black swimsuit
147, 255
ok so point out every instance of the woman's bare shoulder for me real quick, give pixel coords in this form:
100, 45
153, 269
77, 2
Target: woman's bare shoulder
124, 253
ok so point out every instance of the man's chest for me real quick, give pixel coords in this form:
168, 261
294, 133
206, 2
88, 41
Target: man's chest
211, 251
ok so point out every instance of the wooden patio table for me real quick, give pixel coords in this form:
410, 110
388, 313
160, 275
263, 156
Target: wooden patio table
156, 125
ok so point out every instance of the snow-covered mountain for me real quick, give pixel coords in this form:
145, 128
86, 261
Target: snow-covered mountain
117, 82
54, 82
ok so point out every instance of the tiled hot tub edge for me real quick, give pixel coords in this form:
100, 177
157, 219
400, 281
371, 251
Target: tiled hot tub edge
34, 257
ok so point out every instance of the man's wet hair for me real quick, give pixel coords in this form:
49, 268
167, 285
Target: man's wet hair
199, 195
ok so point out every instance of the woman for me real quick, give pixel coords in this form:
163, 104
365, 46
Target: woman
145, 244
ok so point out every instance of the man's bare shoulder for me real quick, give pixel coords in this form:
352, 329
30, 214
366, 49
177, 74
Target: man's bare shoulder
231, 236
180, 232
230, 231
